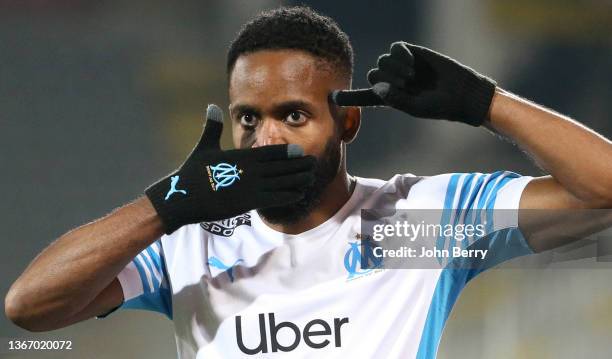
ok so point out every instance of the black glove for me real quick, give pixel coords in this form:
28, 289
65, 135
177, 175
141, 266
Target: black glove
424, 83
213, 184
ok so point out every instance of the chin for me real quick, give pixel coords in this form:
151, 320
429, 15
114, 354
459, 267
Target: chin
327, 168
291, 213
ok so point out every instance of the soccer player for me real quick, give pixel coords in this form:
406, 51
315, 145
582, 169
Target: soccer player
254, 251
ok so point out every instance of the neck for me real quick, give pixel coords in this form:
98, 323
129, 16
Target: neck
333, 198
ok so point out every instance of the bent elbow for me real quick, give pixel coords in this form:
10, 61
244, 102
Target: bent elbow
601, 193
600, 200
16, 311
13, 309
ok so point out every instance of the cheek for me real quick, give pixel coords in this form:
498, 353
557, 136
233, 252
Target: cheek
237, 136
310, 146
315, 140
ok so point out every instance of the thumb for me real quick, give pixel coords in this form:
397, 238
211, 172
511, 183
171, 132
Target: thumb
212, 129
361, 97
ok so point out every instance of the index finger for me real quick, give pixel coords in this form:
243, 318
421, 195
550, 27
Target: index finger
360, 97
278, 152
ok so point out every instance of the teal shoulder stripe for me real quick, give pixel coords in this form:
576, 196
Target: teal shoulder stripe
156, 260
449, 197
464, 191
157, 302
143, 276
504, 245
506, 177
149, 267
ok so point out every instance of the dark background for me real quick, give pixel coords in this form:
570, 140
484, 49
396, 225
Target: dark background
98, 99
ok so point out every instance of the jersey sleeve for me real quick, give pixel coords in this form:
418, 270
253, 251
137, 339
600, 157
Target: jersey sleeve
491, 202
145, 282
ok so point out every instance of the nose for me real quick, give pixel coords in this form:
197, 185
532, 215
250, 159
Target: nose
269, 132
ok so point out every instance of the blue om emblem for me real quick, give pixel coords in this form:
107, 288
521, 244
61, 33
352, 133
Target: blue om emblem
353, 260
224, 175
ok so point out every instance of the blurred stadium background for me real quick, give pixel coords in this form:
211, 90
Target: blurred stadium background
100, 98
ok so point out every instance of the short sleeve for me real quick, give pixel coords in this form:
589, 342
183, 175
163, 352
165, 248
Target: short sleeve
490, 201
145, 282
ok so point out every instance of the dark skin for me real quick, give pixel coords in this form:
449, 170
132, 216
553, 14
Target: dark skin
281, 97
74, 278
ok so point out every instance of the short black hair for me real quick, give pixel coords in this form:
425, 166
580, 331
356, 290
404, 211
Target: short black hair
299, 28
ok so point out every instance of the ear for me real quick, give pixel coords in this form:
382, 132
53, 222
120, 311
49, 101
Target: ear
351, 124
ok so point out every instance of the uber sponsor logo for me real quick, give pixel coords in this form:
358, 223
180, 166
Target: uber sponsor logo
226, 227
317, 334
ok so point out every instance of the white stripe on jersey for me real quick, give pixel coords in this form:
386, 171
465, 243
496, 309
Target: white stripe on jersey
130, 281
146, 270
157, 275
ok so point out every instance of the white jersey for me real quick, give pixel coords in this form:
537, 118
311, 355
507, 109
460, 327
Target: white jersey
237, 288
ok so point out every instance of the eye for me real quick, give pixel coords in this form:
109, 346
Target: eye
248, 120
295, 118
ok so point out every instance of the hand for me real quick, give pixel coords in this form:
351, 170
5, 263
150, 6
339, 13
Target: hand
424, 83
214, 184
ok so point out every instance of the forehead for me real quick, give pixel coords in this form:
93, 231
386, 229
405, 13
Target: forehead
277, 75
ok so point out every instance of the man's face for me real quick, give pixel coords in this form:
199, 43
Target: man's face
281, 97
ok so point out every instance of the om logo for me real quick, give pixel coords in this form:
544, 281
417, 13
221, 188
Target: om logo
223, 175
354, 260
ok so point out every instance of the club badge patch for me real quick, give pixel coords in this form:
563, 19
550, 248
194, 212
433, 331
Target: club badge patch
222, 175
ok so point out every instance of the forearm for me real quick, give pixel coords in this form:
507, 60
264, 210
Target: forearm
74, 269
577, 157
69, 275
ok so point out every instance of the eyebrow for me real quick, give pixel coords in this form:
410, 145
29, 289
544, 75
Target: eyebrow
243, 108
279, 108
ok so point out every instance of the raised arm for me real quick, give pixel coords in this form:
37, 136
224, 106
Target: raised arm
566, 205
424, 83
75, 277
578, 159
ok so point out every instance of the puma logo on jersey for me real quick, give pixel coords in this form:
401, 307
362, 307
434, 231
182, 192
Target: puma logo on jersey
316, 334
229, 269
173, 181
